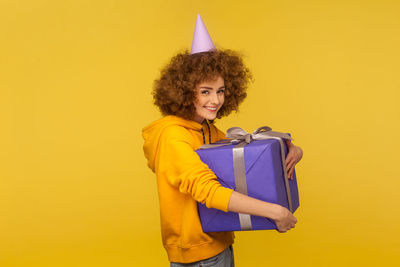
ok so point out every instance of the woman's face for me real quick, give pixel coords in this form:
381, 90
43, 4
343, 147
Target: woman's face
210, 96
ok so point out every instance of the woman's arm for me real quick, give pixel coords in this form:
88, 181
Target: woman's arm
241, 203
181, 166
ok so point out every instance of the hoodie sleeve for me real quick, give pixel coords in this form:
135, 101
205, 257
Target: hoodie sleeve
182, 167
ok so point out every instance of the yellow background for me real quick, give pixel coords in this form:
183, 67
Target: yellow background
75, 82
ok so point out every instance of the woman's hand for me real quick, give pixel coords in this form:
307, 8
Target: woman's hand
295, 154
285, 220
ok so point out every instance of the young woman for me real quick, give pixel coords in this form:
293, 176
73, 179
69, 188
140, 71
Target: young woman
194, 89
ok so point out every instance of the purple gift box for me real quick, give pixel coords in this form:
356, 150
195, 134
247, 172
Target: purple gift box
264, 176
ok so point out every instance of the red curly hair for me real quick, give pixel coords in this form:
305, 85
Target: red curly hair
175, 91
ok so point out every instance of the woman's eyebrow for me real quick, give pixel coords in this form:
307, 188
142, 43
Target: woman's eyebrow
210, 88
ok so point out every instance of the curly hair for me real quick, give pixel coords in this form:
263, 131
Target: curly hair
175, 91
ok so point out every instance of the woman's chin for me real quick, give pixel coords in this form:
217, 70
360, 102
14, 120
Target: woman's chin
211, 118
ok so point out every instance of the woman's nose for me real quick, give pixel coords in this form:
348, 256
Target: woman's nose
214, 99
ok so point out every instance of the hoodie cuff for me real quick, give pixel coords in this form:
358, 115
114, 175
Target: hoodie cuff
221, 198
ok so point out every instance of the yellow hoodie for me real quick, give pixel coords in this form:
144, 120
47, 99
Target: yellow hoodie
182, 181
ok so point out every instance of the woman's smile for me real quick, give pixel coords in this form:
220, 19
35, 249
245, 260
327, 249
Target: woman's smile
211, 109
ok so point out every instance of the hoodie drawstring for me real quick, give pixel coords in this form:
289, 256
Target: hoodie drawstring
209, 134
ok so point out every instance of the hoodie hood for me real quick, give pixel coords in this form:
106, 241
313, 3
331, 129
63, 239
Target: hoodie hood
152, 134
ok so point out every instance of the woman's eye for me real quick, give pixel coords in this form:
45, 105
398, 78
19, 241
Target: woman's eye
221, 91
204, 92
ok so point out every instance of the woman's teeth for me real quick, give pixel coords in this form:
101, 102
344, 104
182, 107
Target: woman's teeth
211, 108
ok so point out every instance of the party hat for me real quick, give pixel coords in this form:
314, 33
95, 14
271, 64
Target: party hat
201, 39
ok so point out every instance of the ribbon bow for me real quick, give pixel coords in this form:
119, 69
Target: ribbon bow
238, 135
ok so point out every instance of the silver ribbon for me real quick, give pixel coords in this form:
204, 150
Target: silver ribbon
241, 138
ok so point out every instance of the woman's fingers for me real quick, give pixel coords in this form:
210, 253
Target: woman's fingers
292, 158
290, 165
291, 173
289, 159
290, 169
